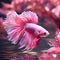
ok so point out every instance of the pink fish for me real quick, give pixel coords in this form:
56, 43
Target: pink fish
23, 29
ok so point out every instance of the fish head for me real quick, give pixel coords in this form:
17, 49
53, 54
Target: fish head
41, 32
37, 30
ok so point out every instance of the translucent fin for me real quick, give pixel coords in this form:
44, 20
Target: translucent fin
14, 29
27, 41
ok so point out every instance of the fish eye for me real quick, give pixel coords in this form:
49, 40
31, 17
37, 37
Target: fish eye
44, 33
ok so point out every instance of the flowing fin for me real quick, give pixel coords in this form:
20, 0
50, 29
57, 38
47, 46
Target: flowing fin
15, 25
30, 17
27, 41
13, 28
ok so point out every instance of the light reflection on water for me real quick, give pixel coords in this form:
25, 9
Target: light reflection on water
25, 57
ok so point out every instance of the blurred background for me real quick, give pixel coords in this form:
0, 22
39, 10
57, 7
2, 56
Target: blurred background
48, 12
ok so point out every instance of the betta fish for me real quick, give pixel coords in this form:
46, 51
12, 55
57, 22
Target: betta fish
23, 30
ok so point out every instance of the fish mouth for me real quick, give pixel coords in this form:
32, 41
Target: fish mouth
44, 34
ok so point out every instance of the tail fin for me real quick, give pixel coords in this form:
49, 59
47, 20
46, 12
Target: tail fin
13, 29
